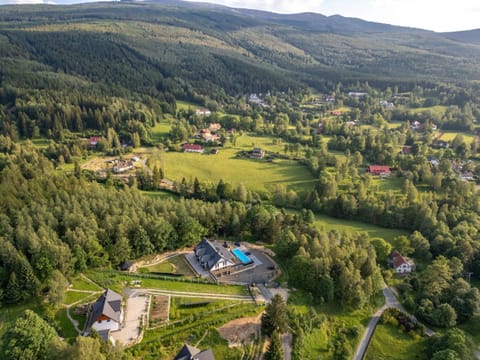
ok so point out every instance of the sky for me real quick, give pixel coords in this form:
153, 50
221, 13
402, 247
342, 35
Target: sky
436, 15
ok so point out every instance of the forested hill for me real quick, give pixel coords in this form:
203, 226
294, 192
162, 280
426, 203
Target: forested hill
472, 36
209, 49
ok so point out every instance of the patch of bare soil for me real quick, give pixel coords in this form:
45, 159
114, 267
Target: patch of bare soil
160, 309
241, 330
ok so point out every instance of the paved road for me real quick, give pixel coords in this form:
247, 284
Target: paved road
390, 301
287, 339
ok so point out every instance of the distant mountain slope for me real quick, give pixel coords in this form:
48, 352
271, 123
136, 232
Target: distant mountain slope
187, 48
471, 36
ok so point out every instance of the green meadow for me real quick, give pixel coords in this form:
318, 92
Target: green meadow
160, 131
247, 142
329, 223
256, 175
438, 109
184, 105
390, 343
450, 135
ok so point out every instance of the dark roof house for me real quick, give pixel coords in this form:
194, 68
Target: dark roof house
192, 353
213, 256
107, 309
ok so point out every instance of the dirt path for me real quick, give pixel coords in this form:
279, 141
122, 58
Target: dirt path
73, 321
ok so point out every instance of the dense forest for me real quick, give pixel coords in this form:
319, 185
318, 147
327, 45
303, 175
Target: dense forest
116, 71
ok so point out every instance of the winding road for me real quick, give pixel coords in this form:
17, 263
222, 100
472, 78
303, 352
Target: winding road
390, 301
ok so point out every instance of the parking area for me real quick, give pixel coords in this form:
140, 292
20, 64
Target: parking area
136, 308
263, 272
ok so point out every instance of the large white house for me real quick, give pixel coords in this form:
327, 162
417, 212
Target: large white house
105, 314
214, 257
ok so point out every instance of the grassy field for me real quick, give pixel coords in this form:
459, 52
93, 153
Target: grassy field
390, 343
164, 266
79, 283
330, 223
160, 131
66, 328
392, 183
117, 281
72, 297
256, 175
317, 341
184, 105
450, 135
174, 265
438, 110
267, 143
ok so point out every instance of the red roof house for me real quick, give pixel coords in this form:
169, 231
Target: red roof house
379, 170
94, 140
192, 148
402, 265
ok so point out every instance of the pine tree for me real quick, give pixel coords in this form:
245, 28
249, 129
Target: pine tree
274, 351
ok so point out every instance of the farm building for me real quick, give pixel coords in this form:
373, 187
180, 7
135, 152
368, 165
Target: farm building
192, 353
122, 166
203, 112
94, 140
356, 94
127, 265
401, 264
379, 170
105, 314
193, 148
257, 153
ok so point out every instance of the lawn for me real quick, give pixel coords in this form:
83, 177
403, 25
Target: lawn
164, 267
66, 327
184, 105
392, 183
79, 283
390, 343
330, 223
267, 143
256, 175
317, 341
450, 135
173, 265
116, 281
160, 131
72, 297
438, 109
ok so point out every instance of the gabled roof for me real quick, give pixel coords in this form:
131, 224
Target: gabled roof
399, 261
379, 169
210, 252
192, 353
192, 147
126, 265
187, 352
109, 305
